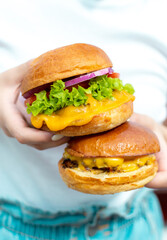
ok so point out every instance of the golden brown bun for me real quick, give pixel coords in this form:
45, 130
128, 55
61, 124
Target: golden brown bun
129, 139
100, 123
64, 62
107, 183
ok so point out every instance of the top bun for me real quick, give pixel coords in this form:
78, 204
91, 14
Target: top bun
64, 62
129, 139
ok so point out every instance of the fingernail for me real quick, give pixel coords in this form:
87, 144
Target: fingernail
57, 137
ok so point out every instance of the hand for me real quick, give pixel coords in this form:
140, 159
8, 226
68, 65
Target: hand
14, 120
160, 180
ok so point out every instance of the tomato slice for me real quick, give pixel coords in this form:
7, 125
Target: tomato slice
114, 75
31, 99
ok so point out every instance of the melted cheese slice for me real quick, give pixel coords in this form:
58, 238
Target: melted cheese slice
78, 116
119, 164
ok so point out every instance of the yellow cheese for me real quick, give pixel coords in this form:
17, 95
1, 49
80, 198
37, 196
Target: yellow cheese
113, 162
120, 164
81, 166
88, 162
78, 116
100, 163
128, 166
143, 160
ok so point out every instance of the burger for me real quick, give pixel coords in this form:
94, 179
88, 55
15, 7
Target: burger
74, 91
119, 160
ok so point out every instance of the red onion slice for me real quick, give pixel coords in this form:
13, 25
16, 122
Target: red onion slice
37, 90
71, 82
88, 76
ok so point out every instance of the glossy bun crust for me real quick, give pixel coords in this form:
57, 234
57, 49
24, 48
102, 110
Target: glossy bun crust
64, 62
107, 183
100, 123
129, 139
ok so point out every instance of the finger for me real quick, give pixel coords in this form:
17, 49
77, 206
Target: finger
29, 135
22, 110
134, 117
144, 120
6, 132
164, 131
160, 181
162, 155
57, 137
51, 144
19, 129
137, 118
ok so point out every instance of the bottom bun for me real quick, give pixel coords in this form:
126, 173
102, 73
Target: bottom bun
107, 183
100, 123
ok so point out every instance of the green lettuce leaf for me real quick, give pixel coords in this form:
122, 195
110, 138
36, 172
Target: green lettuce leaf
100, 87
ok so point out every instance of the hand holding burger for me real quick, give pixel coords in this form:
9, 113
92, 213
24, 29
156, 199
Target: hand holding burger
18, 127
14, 120
74, 91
